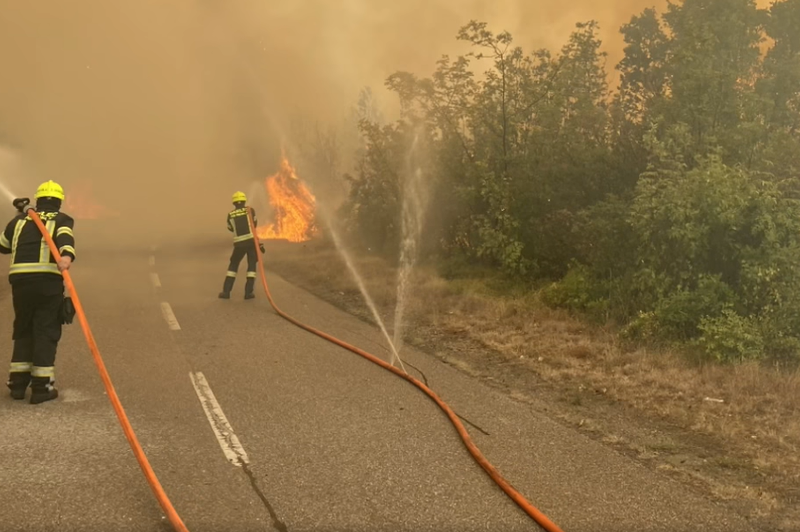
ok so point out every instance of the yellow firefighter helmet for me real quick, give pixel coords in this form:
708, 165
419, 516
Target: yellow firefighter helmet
50, 189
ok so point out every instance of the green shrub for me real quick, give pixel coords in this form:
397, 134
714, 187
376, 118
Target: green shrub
678, 315
731, 337
642, 328
578, 291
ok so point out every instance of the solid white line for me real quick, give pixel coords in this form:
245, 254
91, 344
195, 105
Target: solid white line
155, 279
152, 260
166, 310
227, 439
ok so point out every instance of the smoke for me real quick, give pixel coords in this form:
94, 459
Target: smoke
166, 108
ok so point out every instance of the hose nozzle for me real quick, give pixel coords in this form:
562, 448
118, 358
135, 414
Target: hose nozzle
21, 203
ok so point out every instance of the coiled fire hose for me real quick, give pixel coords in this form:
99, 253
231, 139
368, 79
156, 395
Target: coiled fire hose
138, 452
473, 450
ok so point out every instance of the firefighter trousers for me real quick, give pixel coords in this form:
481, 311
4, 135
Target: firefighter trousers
240, 250
37, 330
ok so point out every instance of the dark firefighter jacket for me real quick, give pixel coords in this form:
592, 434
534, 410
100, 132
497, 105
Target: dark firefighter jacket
30, 255
239, 225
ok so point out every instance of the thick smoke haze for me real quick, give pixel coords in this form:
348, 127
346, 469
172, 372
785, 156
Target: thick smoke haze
167, 107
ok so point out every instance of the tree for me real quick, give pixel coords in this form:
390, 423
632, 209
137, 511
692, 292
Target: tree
675, 196
373, 207
781, 83
567, 157
643, 69
779, 90
712, 66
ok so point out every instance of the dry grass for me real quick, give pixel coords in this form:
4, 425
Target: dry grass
732, 429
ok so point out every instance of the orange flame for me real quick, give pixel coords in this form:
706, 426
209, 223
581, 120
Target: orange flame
294, 207
78, 203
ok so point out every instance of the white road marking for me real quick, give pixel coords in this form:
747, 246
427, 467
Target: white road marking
152, 260
233, 450
166, 310
155, 280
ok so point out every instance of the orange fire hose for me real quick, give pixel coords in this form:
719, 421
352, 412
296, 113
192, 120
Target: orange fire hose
517, 497
161, 496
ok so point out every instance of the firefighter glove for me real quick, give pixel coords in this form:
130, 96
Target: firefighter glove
67, 311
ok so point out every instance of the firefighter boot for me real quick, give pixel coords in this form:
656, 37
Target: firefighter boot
18, 383
42, 390
248, 288
227, 287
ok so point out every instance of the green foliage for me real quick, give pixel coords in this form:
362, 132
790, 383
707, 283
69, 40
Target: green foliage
707, 220
643, 72
670, 207
679, 315
373, 209
572, 292
731, 337
713, 59
603, 237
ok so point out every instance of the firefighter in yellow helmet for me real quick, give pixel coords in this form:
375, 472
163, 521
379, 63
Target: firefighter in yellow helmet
239, 225
37, 288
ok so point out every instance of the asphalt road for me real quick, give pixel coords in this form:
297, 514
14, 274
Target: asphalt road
329, 441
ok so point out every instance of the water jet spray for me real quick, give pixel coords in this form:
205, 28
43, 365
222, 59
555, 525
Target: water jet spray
359, 281
8, 165
412, 217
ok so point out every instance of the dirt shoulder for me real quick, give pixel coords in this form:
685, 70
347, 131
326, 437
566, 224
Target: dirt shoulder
731, 431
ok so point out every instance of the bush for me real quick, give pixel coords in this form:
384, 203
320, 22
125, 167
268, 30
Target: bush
643, 328
603, 236
679, 315
711, 220
577, 291
731, 337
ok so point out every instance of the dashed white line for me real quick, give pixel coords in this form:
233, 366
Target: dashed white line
152, 260
233, 450
155, 280
172, 321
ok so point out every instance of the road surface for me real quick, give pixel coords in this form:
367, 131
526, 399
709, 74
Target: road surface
324, 440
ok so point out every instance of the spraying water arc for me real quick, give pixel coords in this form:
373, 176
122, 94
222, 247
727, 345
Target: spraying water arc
412, 218
9, 170
295, 220
7, 193
360, 282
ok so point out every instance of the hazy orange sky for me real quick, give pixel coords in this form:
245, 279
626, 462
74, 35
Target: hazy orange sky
191, 96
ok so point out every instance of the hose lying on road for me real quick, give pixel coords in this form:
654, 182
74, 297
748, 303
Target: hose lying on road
138, 452
526, 506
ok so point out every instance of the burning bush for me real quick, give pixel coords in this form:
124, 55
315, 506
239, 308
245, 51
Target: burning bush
294, 207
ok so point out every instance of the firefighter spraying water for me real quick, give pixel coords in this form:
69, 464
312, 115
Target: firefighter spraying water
239, 225
37, 288
294, 207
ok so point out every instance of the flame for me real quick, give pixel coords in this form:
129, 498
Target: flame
294, 207
78, 203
